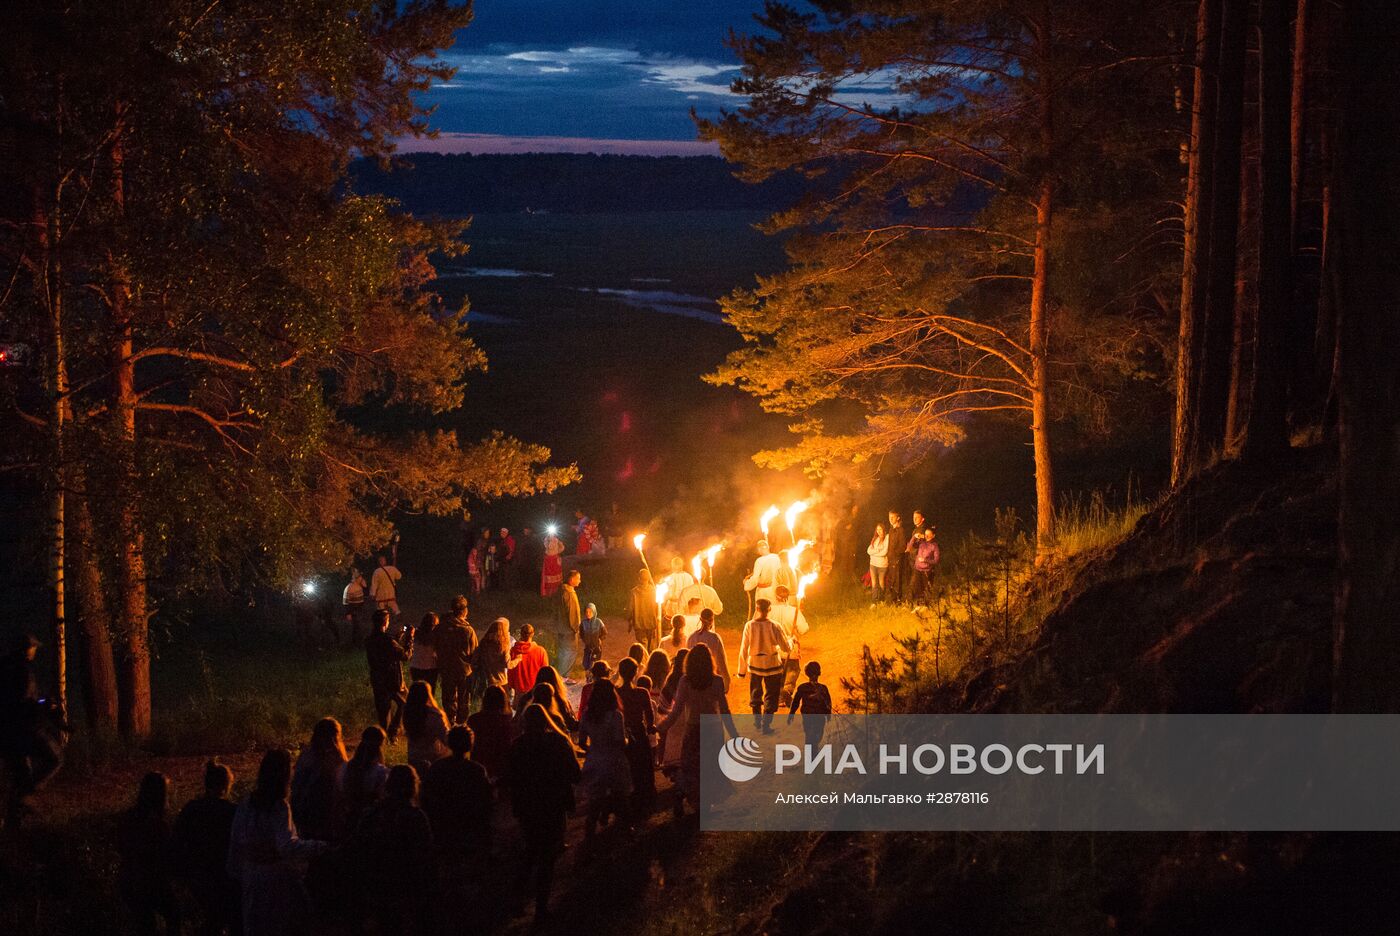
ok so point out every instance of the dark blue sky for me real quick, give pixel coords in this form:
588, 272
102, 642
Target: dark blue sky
597, 69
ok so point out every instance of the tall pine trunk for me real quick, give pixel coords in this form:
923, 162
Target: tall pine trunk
50, 284
100, 694
1195, 268
1266, 434
1219, 328
131, 560
1040, 377
1366, 230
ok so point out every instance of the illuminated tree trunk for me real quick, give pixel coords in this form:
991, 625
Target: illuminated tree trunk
1195, 268
1219, 328
1246, 297
131, 561
1366, 229
1267, 431
60, 409
1040, 377
100, 694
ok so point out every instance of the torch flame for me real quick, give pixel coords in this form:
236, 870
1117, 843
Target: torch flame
795, 553
697, 566
661, 591
767, 518
792, 513
711, 553
803, 582
638, 540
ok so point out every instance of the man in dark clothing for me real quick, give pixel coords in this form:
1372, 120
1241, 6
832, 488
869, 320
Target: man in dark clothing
201, 838
31, 732
569, 617
455, 642
457, 799
897, 577
386, 658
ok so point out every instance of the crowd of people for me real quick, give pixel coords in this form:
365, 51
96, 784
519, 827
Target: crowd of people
492, 729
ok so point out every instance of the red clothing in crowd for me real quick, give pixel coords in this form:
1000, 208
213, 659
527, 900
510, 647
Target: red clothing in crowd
533, 658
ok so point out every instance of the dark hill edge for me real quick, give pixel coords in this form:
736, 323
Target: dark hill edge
1219, 601
454, 185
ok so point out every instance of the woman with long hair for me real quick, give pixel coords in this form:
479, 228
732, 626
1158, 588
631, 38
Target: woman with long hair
422, 657
668, 749
362, 781
701, 692
541, 774
491, 664
674, 642
494, 729
265, 853
143, 844
425, 725
568, 717
607, 776
316, 779
657, 667
879, 553
544, 696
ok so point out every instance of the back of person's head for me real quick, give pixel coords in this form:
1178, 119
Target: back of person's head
152, 794
325, 740
644, 682
274, 780
657, 667
638, 653
700, 667
459, 739
549, 675
813, 669
677, 625
381, 619
692, 605
627, 670
782, 591
707, 618
526, 632
402, 783
493, 700
601, 702
543, 693
600, 670
535, 720
427, 624
673, 678
420, 693
459, 604
763, 605
218, 779
644, 578
371, 747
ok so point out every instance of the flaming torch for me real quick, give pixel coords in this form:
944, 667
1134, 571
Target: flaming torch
791, 515
637, 541
795, 555
661, 591
710, 555
767, 518
802, 584
697, 565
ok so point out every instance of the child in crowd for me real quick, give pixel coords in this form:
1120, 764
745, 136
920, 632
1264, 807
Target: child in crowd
813, 701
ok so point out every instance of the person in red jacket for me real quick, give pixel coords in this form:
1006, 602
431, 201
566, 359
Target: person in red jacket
527, 658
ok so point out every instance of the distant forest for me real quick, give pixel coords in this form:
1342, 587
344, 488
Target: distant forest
435, 184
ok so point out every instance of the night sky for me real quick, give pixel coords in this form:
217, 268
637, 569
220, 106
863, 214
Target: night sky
587, 74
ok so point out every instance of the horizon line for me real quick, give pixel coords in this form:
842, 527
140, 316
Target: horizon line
451, 143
